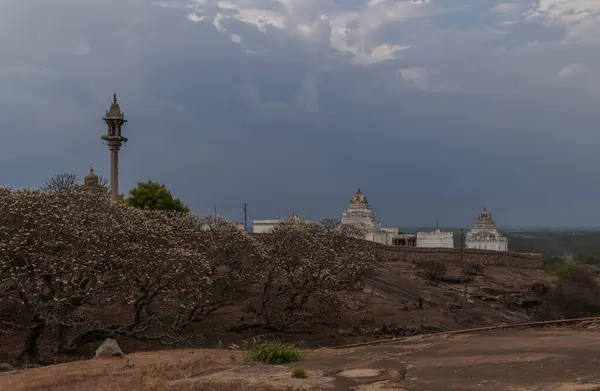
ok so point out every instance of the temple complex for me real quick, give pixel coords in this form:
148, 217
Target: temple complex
359, 213
484, 235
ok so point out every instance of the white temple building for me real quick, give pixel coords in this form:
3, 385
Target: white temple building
435, 239
265, 226
359, 213
484, 235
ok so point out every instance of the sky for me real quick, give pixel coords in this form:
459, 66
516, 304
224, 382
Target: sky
434, 108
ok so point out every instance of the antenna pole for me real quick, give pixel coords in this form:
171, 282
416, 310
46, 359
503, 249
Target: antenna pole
245, 208
461, 245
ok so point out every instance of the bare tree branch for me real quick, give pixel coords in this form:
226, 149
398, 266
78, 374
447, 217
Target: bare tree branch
61, 182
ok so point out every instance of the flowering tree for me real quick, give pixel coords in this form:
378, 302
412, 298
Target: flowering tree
309, 272
335, 225
56, 255
66, 256
232, 259
81, 267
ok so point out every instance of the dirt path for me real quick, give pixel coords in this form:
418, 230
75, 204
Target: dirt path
529, 360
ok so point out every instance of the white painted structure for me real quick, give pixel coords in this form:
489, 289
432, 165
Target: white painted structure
359, 213
435, 239
265, 226
484, 235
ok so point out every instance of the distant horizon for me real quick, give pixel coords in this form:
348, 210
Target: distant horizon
522, 228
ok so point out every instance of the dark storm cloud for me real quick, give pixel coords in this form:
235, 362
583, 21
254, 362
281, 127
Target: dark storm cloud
292, 105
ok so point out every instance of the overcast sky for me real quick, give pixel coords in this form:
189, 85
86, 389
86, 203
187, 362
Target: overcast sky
432, 107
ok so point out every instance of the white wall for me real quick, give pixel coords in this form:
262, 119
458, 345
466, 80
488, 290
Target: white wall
435, 239
379, 237
483, 245
263, 226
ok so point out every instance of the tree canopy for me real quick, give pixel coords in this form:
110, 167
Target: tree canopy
155, 196
77, 268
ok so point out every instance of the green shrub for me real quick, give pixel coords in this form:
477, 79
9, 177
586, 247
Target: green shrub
274, 353
299, 373
575, 294
434, 269
472, 268
539, 289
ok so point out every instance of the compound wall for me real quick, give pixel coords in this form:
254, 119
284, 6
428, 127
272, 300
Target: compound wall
453, 255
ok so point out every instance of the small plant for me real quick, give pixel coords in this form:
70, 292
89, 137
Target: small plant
472, 268
299, 373
274, 353
540, 289
434, 269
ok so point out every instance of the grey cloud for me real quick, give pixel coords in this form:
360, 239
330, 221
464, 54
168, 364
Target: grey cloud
288, 121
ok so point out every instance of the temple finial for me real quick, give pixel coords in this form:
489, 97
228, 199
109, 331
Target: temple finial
91, 170
115, 98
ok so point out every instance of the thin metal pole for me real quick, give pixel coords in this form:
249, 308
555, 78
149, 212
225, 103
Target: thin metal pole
245, 217
461, 244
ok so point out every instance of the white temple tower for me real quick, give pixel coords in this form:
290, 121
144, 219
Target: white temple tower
484, 235
359, 213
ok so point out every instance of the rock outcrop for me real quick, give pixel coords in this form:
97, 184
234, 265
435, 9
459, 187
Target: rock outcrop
5, 367
109, 348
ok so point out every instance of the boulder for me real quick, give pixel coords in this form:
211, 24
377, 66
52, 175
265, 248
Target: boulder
109, 348
5, 367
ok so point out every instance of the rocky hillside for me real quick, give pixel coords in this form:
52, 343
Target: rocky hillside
465, 296
400, 297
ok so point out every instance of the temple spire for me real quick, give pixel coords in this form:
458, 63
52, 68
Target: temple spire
115, 97
91, 178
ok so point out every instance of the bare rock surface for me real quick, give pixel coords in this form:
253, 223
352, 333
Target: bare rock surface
560, 359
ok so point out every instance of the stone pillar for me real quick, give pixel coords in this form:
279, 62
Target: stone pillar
114, 172
115, 119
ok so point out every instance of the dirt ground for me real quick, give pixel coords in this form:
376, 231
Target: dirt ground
527, 360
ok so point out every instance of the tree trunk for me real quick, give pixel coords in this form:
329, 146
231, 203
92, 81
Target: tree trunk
29, 355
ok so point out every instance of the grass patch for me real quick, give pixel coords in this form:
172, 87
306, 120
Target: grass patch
299, 373
274, 353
